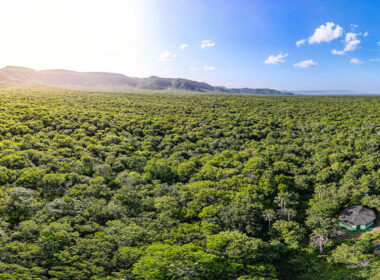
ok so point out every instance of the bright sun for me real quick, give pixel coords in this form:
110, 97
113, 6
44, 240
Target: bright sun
82, 35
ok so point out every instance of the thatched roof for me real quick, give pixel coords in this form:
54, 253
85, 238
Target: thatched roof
357, 215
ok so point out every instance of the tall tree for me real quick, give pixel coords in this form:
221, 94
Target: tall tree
269, 215
319, 238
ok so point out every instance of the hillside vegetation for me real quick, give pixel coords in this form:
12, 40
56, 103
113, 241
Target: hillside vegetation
16, 76
184, 186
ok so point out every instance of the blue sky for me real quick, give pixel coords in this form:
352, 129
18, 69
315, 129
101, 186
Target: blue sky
245, 43
246, 33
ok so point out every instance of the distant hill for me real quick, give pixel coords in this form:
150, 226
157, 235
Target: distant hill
12, 75
326, 92
64, 78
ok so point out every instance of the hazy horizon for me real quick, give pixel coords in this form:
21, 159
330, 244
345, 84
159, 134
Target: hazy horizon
298, 91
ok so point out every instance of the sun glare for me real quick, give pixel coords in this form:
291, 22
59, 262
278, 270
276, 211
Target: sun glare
82, 35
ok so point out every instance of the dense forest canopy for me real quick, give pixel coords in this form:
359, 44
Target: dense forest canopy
185, 186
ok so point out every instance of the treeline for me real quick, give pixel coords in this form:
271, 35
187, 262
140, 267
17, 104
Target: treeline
187, 186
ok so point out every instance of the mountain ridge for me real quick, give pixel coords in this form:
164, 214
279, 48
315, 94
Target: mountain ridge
16, 75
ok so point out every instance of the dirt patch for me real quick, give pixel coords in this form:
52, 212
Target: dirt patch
342, 235
374, 230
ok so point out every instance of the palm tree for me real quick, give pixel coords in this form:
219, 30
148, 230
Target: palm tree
282, 199
290, 213
269, 216
319, 238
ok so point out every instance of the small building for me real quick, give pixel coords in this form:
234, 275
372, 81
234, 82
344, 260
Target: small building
377, 250
357, 218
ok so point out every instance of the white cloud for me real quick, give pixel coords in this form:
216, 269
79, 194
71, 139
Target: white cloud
351, 43
326, 33
193, 69
353, 26
209, 68
166, 56
337, 52
378, 43
300, 42
375, 60
305, 64
276, 59
366, 34
356, 61
183, 46
207, 44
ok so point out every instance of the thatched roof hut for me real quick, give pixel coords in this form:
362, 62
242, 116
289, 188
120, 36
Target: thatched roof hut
357, 218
